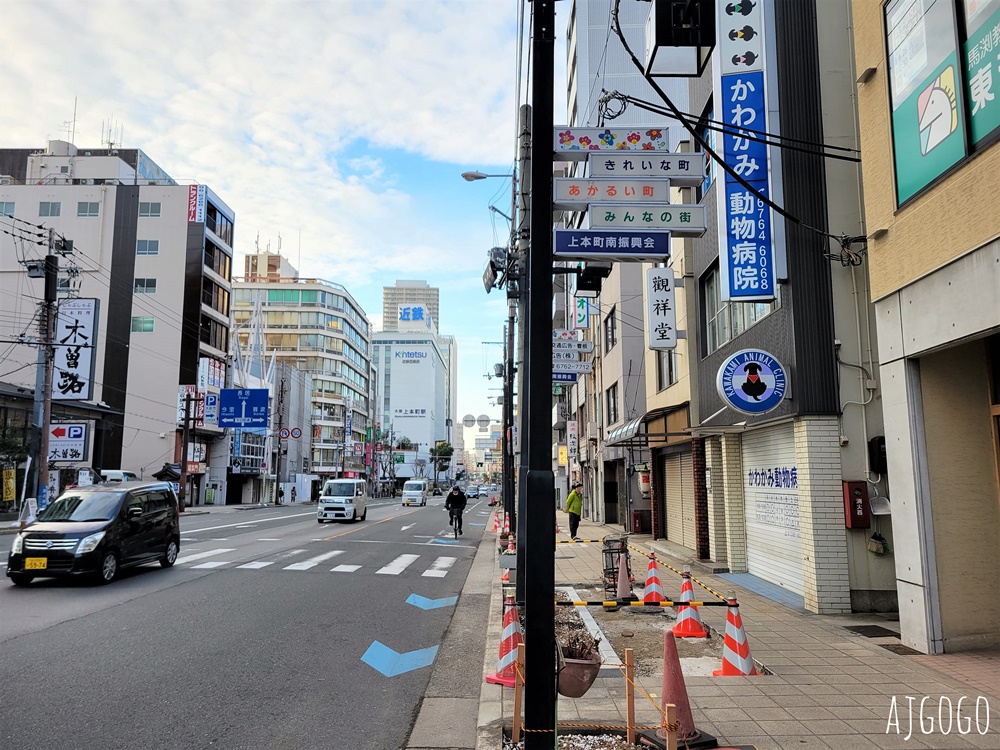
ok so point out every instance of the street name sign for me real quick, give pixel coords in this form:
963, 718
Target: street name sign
243, 407
571, 193
610, 244
682, 220
683, 170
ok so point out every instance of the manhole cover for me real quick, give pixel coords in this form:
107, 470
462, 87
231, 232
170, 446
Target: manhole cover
899, 648
873, 631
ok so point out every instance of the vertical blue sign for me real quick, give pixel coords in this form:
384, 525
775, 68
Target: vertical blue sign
747, 257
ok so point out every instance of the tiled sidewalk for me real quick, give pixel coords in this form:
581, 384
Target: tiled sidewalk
830, 688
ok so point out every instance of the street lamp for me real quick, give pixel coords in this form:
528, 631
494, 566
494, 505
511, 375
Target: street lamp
473, 176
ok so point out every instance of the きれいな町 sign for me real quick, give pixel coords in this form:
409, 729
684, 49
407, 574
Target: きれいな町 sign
752, 382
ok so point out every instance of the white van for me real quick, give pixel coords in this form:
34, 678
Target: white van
343, 500
114, 475
415, 492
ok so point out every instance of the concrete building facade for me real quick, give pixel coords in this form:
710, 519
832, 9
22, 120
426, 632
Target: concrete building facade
934, 254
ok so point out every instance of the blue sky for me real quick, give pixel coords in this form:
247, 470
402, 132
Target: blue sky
344, 122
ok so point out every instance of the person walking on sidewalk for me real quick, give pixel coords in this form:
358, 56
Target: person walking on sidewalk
574, 507
455, 504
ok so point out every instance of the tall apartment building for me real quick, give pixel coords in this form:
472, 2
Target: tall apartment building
157, 257
320, 328
406, 293
930, 123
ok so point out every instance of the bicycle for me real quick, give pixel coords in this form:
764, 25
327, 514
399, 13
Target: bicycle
455, 516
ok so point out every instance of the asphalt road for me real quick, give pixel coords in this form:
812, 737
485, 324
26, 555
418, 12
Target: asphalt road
272, 631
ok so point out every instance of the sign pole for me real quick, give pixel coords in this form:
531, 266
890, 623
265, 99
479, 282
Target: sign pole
46, 358
277, 460
182, 494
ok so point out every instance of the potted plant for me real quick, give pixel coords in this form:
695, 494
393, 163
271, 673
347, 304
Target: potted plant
579, 661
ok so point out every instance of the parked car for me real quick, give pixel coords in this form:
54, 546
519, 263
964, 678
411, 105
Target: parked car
343, 500
115, 475
98, 530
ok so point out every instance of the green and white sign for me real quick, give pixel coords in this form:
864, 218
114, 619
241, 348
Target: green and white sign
927, 130
981, 70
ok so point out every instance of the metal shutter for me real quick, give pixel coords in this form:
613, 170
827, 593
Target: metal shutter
673, 499
687, 500
771, 505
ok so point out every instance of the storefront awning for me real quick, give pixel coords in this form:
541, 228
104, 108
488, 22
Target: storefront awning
636, 434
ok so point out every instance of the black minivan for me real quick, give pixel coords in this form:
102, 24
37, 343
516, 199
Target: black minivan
98, 530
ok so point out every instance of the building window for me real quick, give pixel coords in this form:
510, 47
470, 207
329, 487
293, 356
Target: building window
142, 325
724, 321
611, 404
666, 368
144, 286
217, 259
214, 333
220, 224
49, 208
147, 247
942, 63
149, 210
88, 209
610, 331
7, 209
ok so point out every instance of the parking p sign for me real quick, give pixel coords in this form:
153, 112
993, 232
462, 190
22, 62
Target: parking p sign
68, 441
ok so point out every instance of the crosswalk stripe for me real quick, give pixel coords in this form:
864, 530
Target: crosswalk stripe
255, 565
312, 562
397, 566
201, 555
439, 568
344, 569
212, 564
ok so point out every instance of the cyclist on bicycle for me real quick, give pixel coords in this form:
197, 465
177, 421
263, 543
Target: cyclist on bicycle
455, 504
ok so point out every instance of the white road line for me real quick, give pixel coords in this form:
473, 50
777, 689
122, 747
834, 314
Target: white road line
200, 555
397, 566
243, 523
408, 526
439, 568
269, 540
344, 569
312, 562
254, 565
213, 564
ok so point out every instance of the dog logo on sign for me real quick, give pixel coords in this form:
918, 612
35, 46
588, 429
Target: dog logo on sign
752, 381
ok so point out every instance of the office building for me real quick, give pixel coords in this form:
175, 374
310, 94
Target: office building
406, 293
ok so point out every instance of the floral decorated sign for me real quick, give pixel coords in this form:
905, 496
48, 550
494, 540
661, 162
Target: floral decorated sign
575, 144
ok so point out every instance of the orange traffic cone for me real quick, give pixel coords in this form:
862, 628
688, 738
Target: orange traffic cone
505, 578
496, 522
736, 659
675, 692
654, 592
688, 621
509, 640
506, 524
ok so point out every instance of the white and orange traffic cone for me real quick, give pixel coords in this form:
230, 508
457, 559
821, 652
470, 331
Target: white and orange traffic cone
509, 640
736, 659
688, 621
496, 522
505, 578
506, 524
654, 591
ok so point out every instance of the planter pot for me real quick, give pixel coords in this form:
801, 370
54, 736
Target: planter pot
577, 675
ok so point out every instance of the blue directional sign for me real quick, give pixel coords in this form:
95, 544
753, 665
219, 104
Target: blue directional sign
611, 244
424, 603
243, 407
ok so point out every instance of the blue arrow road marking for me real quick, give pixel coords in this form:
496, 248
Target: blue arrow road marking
390, 663
444, 541
424, 603
476, 524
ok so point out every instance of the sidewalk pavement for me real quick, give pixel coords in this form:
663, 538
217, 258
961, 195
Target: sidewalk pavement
828, 688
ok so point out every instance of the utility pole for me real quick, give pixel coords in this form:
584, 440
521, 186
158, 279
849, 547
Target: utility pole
43, 378
185, 437
539, 506
523, 244
281, 417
